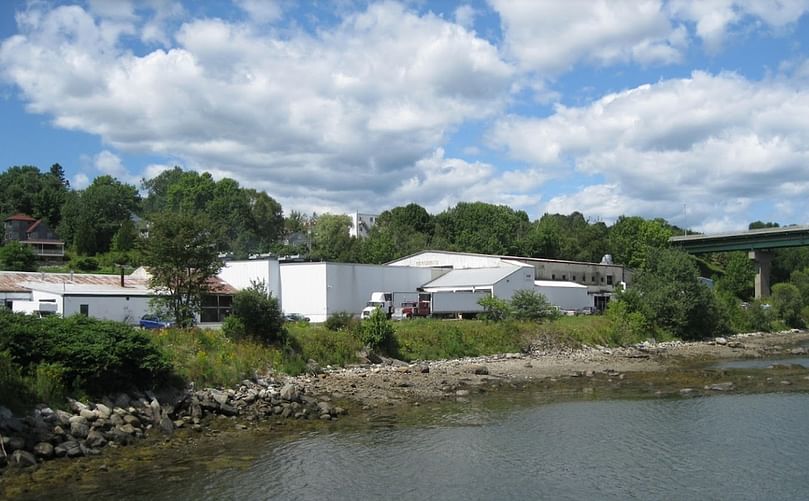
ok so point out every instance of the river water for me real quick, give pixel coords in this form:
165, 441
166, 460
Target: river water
720, 447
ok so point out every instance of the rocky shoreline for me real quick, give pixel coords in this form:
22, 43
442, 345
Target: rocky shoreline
85, 429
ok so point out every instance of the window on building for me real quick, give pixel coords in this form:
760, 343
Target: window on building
594, 279
564, 277
84, 309
609, 279
573, 278
602, 280
215, 308
553, 276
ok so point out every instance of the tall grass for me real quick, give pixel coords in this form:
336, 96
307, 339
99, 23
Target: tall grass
325, 346
428, 339
208, 358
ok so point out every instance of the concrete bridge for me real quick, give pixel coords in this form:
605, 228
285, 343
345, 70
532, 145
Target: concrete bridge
758, 244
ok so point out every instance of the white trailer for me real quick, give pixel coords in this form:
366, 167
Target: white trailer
457, 303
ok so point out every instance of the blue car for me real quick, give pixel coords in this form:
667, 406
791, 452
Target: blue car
154, 322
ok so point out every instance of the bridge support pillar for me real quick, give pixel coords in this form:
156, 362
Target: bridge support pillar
762, 260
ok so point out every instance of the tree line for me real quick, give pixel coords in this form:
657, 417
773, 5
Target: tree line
101, 225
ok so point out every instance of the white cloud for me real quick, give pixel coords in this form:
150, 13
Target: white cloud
447, 181
111, 164
80, 181
709, 141
551, 37
465, 15
261, 11
715, 18
333, 117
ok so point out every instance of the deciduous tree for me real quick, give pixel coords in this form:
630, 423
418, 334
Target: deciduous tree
181, 253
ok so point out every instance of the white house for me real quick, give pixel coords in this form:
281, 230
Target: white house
318, 290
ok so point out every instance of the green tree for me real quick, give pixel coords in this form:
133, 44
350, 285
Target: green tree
760, 225
530, 305
738, 277
91, 217
633, 239
15, 256
258, 313
41, 195
481, 227
181, 253
377, 333
398, 232
787, 303
494, 309
668, 293
332, 241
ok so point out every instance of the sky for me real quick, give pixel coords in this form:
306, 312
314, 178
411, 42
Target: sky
693, 111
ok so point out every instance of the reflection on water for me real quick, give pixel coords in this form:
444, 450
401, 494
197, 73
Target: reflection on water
723, 447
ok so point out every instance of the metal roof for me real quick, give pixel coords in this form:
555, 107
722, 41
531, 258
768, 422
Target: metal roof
521, 259
67, 289
16, 281
472, 277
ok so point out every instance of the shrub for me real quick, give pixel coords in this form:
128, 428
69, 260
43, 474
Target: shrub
377, 333
626, 326
259, 314
786, 301
95, 356
341, 321
233, 327
494, 309
15, 256
530, 305
86, 263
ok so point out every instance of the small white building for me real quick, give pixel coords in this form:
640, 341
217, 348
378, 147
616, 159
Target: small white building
318, 290
105, 302
361, 224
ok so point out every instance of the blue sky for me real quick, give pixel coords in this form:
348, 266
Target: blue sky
697, 112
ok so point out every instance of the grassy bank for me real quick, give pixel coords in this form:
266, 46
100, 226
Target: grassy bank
80, 356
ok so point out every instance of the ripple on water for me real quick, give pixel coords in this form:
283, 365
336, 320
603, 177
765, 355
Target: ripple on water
721, 447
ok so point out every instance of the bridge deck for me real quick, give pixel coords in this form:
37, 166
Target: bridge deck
766, 238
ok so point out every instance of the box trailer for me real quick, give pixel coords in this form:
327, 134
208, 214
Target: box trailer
445, 303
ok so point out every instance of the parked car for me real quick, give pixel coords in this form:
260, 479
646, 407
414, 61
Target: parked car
154, 322
295, 317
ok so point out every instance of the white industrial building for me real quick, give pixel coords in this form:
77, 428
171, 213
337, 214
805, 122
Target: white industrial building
318, 290
600, 280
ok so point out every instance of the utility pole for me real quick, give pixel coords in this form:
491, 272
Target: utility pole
685, 226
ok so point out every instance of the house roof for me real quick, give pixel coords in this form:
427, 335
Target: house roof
471, 277
20, 217
33, 226
11, 281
